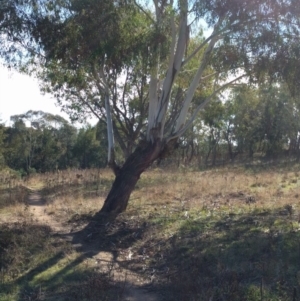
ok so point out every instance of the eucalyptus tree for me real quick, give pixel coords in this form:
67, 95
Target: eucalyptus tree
105, 72
83, 97
245, 40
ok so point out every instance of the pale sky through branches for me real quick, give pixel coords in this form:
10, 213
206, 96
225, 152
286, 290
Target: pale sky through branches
20, 93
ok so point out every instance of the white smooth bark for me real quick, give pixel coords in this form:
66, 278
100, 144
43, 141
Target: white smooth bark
110, 133
158, 107
159, 104
174, 68
153, 101
193, 86
183, 129
197, 78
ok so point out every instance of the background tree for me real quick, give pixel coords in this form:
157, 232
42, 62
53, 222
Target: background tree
39, 141
213, 120
279, 124
264, 119
88, 149
244, 103
55, 145
20, 144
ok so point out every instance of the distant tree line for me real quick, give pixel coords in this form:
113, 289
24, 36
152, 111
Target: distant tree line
247, 123
39, 142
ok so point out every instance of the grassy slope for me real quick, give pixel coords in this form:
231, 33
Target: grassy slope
227, 234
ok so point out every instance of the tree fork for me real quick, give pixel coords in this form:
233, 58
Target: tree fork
128, 175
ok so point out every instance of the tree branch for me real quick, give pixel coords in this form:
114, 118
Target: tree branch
145, 12
181, 131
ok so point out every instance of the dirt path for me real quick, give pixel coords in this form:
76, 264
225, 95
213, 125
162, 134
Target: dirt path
38, 208
132, 281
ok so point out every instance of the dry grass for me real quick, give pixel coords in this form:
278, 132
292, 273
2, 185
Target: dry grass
226, 234
36, 265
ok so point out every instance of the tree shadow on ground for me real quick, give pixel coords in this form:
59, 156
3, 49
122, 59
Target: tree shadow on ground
249, 256
254, 256
239, 257
38, 266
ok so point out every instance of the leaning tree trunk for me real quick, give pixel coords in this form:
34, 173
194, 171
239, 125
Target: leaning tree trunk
128, 175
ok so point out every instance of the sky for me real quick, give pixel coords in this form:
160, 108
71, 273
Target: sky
20, 93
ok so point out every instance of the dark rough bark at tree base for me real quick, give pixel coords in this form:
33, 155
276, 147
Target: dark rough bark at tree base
128, 175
